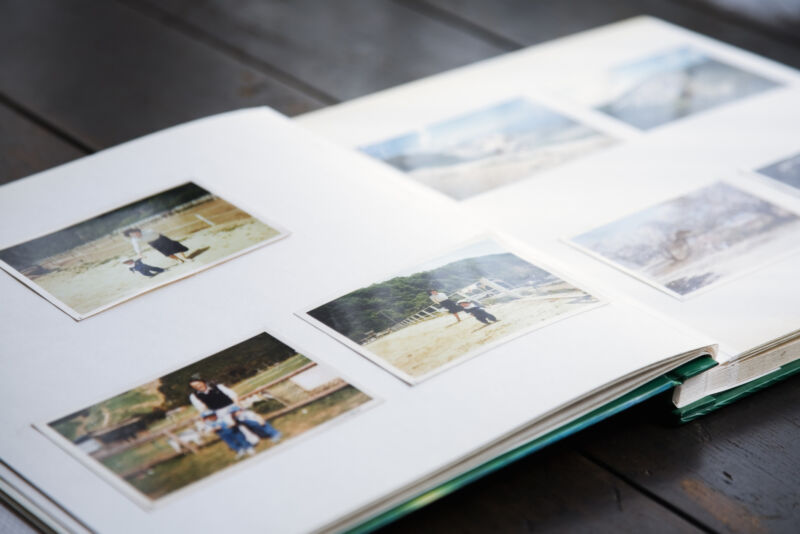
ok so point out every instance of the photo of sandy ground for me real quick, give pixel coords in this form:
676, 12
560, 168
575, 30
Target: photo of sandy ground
157, 441
89, 273
668, 86
488, 148
786, 171
484, 295
697, 240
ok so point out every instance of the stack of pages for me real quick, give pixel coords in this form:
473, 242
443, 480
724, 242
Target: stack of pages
497, 257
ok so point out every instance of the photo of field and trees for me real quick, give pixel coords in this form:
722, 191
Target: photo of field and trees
786, 171
488, 148
115, 256
696, 240
434, 314
198, 420
670, 85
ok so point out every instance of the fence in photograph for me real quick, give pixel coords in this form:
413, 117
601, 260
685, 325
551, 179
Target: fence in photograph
186, 436
479, 291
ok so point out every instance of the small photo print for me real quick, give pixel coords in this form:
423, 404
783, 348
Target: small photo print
100, 262
488, 148
436, 314
220, 411
669, 86
786, 171
696, 241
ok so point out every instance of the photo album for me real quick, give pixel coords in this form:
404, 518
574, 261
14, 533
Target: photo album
322, 324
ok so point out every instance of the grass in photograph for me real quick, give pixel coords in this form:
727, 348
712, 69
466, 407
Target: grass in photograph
155, 439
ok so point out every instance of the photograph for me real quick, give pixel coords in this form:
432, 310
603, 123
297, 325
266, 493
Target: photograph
98, 263
438, 313
696, 241
668, 86
786, 171
220, 411
488, 148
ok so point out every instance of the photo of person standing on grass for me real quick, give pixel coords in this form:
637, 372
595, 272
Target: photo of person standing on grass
176, 430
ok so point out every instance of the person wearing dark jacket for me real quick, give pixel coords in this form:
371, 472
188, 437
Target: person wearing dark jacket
224, 401
166, 246
477, 311
442, 300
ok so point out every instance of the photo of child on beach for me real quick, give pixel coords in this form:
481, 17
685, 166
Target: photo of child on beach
95, 264
439, 313
202, 418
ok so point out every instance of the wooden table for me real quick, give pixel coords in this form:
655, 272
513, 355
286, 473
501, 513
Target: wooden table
77, 76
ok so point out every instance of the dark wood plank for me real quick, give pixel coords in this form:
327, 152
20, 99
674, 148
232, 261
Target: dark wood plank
27, 147
781, 17
105, 73
554, 490
346, 48
736, 470
532, 22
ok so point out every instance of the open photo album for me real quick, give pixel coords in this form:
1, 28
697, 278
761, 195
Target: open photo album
323, 324
660, 161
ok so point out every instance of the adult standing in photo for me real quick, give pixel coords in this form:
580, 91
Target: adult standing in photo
166, 246
224, 401
476, 310
445, 302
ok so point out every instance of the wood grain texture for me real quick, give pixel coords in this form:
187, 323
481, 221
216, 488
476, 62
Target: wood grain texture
554, 490
780, 17
345, 49
104, 73
734, 470
532, 22
27, 147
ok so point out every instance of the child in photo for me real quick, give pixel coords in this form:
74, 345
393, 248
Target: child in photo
138, 266
477, 311
404, 332
224, 401
227, 428
200, 419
